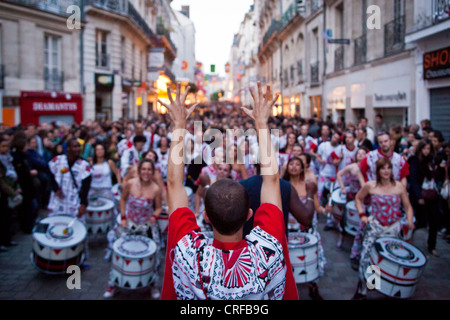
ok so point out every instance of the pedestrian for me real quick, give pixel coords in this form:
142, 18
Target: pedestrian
423, 191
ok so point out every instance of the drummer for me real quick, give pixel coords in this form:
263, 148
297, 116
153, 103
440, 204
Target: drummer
102, 171
386, 197
71, 182
295, 174
350, 180
136, 207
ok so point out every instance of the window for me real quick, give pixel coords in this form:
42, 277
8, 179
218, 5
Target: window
53, 76
101, 53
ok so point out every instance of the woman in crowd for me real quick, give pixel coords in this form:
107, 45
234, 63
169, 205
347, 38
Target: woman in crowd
423, 192
103, 171
386, 198
140, 206
295, 174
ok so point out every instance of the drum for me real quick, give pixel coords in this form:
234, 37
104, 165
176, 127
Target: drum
338, 201
116, 194
133, 262
191, 198
401, 265
163, 222
100, 215
303, 253
352, 219
57, 246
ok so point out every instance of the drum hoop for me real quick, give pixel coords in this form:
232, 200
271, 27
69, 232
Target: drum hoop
403, 264
108, 205
313, 240
63, 245
151, 247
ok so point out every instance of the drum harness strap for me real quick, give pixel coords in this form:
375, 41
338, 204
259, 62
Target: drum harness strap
199, 255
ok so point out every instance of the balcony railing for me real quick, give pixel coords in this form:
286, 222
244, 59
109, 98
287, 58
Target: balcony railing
124, 7
441, 10
2, 76
315, 73
274, 28
339, 59
161, 30
102, 61
53, 79
394, 36
360, 50
53, 6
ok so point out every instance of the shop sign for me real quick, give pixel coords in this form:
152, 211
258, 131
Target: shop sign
436, 64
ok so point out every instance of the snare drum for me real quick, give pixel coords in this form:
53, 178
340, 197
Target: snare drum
53, 249
100, 215
133, 262
338, 201
352, 220
401, 266
303, 253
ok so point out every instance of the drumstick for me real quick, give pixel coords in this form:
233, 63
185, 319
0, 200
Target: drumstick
66, 229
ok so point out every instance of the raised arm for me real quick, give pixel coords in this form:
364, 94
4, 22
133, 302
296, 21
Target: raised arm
178, 113
303, 213
263, 103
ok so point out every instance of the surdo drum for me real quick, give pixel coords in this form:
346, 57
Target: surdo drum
338, 201
99, 215
401, 265
352, 219
133, 262
303, 253
57, 246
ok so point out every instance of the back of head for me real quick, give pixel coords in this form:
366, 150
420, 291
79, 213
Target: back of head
227, 204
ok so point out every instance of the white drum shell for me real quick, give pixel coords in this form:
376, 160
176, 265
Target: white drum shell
352, 219
100, 220
133, 272
338, 201
398, 280
304, 258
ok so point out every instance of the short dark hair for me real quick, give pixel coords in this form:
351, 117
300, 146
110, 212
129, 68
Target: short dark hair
438, 134
226, 205
139, 138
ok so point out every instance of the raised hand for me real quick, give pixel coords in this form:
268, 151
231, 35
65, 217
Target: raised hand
177, 109
263, 103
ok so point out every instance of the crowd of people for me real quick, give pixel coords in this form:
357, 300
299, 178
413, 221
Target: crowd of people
59, 167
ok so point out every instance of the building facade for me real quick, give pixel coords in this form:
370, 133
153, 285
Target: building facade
431, 36
38, 54
343, 58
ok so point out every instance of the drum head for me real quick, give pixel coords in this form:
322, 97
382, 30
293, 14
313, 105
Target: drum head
400, 252
100, 204
56, 236
301, 240
134, 246
338, 197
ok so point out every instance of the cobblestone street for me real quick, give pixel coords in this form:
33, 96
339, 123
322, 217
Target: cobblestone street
19, 279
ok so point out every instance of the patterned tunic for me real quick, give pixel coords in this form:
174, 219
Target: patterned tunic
138, 209
59, 167
385, 208
254, 269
